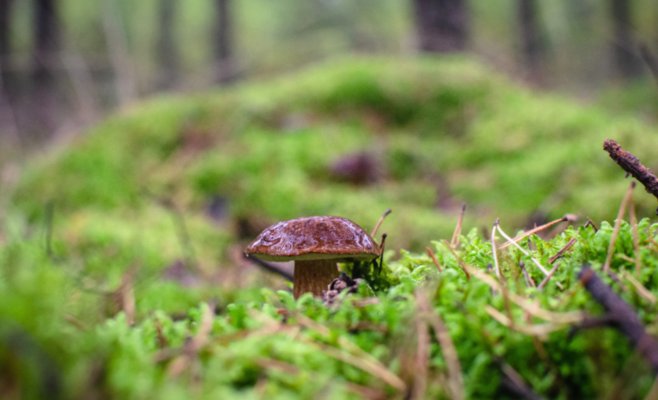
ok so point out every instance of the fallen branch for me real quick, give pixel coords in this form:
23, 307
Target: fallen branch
631, 164
621, 315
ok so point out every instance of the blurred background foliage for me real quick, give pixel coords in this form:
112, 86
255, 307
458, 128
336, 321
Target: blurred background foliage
66, 63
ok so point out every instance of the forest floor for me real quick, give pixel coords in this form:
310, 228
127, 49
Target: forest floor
121, 266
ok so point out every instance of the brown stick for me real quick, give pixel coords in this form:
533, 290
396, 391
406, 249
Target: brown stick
631, 164
621, 315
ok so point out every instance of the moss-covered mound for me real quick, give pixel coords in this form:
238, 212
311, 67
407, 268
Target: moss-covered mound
121, 270
434, 134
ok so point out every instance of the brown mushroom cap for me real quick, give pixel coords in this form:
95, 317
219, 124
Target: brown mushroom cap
314, 238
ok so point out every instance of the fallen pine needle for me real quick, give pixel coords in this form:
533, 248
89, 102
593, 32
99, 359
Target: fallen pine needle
373, 233
493, 250
540, 330
454, 241
636, 237
548, 277
524, 251
374, 368
517, 239
641, 290
528, 305
192, 347
455, 378
563, 250
352, 354
431, 254
615, 232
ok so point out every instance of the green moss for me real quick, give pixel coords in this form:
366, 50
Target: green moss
147, 206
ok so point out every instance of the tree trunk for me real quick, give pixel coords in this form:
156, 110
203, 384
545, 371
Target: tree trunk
5, 44
43, 103
167, 53
223, 49
46, 40
624, 48
442, 25
533, 43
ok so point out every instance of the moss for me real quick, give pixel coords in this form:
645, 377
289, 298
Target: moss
148, 204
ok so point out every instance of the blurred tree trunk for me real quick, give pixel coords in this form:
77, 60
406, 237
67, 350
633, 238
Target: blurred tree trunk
46, 40
533, 41
167, 53
43, 102
7, 82
5, 43
441, 25
223, 40
624, 48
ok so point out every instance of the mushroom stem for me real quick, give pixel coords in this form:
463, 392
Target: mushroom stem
313, 276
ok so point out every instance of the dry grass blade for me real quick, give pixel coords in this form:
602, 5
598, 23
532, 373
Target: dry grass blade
422, 359
124, 295
417, 369
528, 305
538, 330
615, 232
352, 354
493, 250
365, 392
192, 347
374, 368
455, 378
639, 287
432, 256
454, 241
517, 239
524, 251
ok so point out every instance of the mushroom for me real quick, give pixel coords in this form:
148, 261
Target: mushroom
315, 244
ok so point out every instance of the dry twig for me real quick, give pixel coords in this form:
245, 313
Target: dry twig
632, 165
